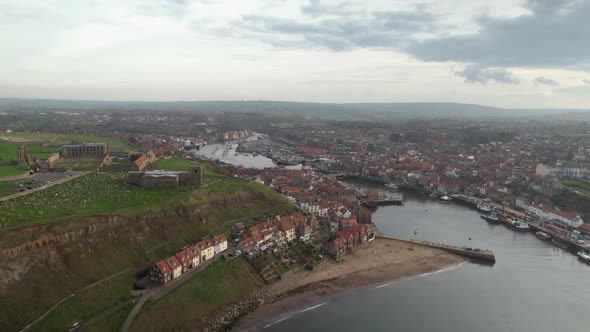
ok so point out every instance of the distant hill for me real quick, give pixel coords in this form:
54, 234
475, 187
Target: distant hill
356, 111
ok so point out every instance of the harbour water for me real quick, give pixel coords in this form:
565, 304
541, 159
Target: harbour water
533, 286
226, 152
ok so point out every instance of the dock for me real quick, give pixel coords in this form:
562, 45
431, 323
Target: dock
471, 253
563, 241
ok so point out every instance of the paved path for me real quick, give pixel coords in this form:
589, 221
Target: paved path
133, 313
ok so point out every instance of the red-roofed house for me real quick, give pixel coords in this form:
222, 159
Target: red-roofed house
175, 266
220, 243
194, 255
160, 272
185, 260
207, 248
347, 223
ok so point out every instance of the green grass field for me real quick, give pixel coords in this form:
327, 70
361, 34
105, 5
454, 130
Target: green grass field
60, 139
579, 185
12, 170
7, 188
89, 303
92, 193
176, 164
181, 309
8, 151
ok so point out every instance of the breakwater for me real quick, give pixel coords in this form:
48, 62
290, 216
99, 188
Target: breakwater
472, 253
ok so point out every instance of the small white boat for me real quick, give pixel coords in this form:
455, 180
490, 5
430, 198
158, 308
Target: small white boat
446, 198
483, 207
584, 256
392, 186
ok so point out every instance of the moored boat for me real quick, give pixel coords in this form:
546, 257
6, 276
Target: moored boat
492, 218
392, 185
433, 195
446, 198
483, 207
543, 236
584, 256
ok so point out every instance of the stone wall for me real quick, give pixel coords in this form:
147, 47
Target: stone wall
160, 182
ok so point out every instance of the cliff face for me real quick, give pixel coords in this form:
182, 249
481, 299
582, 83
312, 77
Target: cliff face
46, 244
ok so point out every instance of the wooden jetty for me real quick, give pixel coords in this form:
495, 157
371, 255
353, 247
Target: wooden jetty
471, 253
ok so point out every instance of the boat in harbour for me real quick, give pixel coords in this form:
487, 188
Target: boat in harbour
483, 207
433, 195
392, 185
492, 218
543, 236
446, 198
584, 256
518, 225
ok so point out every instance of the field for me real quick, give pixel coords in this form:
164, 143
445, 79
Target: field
176, 164
12, 170
7, 188
8, 151
578, 185
60, 139
88, 194
182, 308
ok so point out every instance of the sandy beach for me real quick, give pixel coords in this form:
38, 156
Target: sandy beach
382, 261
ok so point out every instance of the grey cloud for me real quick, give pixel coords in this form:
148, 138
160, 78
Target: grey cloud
479, 74
545, 81
586, 80
554, 34
582, 90
338, 27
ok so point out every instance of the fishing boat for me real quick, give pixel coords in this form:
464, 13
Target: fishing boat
492, 218
433, 195
483, 207
392, 185
518, 225
446, 198
584, 257
543, 236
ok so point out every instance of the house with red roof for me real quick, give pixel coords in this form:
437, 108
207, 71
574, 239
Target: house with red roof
207, 249
185, 260
220, 243
195, 256
175, 266
160, 272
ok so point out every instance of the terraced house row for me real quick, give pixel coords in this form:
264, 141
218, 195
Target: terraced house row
187, 258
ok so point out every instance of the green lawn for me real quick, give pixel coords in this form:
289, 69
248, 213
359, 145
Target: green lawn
60, 139
181, 309
12, 170
90, 303
579, 185
177, 164
7, 188
8, 151
92, 193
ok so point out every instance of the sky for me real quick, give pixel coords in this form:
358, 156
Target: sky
503, 53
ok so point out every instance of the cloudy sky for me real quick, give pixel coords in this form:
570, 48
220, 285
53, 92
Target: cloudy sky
507, 53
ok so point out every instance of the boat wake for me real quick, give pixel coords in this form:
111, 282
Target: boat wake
300, 311
278, 321
314, 307
445, 269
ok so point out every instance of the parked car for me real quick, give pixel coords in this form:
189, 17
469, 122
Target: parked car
29, 187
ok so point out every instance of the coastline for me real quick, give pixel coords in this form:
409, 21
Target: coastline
382, 261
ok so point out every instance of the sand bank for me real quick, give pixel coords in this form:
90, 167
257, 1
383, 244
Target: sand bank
382, 261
